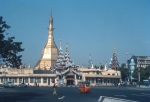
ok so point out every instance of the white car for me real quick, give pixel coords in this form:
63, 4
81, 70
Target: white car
8, 84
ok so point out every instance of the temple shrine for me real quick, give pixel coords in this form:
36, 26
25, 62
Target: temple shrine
50, 51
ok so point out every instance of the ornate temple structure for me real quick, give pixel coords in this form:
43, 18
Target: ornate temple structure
50, 51
114, 62
65, 69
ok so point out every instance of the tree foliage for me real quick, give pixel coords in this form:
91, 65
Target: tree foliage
9, 49
124, 72
144, 73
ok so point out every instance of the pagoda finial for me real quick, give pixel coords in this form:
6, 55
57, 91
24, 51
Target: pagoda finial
60, 43
67, 46
114, 50
51, 19
51, 13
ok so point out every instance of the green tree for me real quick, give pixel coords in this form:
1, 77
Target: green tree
9, 49
147, 72
144, 73
124, 72
102, 67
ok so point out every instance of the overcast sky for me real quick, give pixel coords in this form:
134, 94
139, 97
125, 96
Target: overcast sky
91, 27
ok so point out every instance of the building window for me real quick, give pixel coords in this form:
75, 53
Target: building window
108, 81
26, 80
44, 80
104, 80
15, 80
53, 80
11, 79
38, 80
97, 80
92, 80
31, 80
20, 80
2, 80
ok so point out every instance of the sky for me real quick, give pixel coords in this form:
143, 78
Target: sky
91, 28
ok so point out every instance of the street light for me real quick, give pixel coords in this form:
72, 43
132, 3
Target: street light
139, 76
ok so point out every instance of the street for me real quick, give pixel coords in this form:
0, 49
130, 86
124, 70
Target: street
72, 94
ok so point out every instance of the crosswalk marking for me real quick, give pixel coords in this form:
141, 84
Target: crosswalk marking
145, 94
141, 95
112, 99
121, 95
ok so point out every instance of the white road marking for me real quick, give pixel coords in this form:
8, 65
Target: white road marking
145, 93
112, 99
140, 95
121, 95
61, 97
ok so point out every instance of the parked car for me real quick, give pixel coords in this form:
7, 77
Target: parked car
8, 84
22, 85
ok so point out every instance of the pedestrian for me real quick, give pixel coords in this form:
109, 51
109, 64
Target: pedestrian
54, 90
119, 84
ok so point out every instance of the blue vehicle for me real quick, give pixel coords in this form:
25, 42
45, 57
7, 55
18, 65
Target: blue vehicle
22, 85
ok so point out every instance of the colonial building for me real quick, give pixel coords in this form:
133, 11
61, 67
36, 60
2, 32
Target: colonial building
100, 77
140, 61
28, 76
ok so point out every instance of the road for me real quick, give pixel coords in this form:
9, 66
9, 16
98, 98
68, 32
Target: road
72, 94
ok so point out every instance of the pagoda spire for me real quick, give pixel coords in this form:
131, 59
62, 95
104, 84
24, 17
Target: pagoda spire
114, 62
50, 51
67, 57
67, 47
60, 57
60, 44
50, 41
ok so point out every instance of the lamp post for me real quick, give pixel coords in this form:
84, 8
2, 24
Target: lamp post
139, 76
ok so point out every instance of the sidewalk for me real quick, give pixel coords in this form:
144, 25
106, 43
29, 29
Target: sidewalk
143, 86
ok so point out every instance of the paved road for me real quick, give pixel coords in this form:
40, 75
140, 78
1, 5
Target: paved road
72, 94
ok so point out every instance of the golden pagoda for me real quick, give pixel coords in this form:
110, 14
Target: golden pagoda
50, 51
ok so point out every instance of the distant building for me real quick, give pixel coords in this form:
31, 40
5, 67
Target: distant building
100, 77
140, 61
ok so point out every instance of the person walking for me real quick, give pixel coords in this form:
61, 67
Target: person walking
54, 90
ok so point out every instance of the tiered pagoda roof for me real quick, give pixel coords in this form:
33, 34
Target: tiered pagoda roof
114, 63
64, 61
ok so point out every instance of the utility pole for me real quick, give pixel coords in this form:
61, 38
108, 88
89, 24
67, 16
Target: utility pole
139, 76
